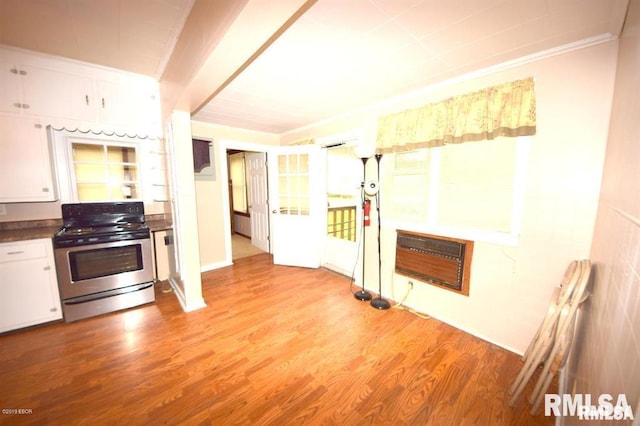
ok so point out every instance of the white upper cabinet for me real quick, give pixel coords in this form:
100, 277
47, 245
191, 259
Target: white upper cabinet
127, 102
43, 92
10, 88
56, 94
37, 91
59, 90
25, 166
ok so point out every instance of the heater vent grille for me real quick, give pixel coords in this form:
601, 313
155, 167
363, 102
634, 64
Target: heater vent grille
440, 261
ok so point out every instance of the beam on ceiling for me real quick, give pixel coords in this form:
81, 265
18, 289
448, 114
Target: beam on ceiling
252, 30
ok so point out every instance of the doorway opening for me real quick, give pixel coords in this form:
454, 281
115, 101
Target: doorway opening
248, 202
343, 176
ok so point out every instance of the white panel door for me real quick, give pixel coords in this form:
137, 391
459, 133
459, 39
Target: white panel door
296, 191
258, 199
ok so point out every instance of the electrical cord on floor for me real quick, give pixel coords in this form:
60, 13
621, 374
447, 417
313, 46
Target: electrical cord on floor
413, 311
404, 298
400, 305
355, 264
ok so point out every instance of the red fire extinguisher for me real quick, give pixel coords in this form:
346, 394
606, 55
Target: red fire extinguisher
367, 210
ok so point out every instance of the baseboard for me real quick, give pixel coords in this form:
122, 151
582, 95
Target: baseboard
217, 265
187, 307
473, 333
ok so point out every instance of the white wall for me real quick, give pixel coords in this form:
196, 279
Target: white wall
214, 225
186, 280
608, 359
511, 285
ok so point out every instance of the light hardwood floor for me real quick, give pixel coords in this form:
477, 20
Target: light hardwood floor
275, 345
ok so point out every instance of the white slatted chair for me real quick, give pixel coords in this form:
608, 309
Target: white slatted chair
565, 332
543, 341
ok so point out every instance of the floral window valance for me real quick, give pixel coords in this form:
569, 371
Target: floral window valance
505, 110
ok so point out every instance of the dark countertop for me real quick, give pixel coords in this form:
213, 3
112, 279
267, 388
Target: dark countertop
159, 224
12, 235
28, 230
35, 229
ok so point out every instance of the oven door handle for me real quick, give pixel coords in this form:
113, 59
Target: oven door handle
106, 294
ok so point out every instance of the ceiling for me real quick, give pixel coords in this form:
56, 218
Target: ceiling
339, 56
132, 35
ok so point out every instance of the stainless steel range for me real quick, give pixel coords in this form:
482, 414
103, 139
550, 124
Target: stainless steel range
103, 258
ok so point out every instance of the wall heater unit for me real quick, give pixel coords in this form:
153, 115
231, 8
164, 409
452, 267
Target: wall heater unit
440, 261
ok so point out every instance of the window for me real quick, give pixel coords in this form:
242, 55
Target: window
96, 166
409, 177
104, 171
470, 187
237, 174
476, 185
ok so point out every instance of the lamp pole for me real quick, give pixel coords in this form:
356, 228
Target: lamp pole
379, 302
363, 294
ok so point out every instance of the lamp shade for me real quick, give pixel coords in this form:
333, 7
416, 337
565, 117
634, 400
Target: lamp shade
363, 150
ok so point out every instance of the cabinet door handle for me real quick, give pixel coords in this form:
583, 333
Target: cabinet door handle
17, 105
102, 102
47, 268
86, 99
25, 106
15, 252
22, 72
45, 189
13, 71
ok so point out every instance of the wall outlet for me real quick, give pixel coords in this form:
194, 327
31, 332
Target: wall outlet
3, 210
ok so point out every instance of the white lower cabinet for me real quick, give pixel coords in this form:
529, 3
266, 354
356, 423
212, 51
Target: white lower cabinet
28, 285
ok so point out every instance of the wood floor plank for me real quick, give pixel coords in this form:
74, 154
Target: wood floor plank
275, 345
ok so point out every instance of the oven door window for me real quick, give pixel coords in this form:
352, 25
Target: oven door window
94, 263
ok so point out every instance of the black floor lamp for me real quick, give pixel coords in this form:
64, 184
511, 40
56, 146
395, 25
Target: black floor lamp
363, 294
379, 302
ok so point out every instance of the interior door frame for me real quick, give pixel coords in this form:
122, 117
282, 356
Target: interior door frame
351, 139
222, 147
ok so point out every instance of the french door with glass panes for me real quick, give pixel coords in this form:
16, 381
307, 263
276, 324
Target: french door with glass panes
296, 213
